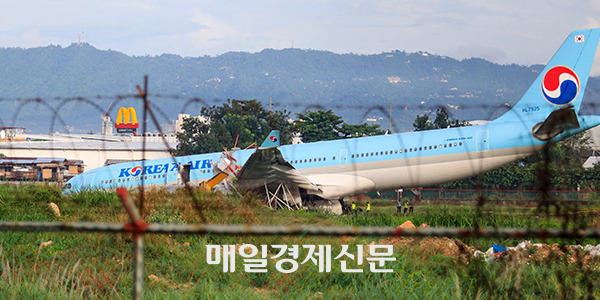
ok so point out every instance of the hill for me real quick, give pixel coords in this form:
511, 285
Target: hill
354, 86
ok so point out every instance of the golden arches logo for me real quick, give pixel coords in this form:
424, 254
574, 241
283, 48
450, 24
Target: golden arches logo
127, 119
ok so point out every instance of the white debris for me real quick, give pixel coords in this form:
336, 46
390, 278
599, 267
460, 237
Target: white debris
523, 245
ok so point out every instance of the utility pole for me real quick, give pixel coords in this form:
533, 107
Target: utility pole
390, 118
270, 103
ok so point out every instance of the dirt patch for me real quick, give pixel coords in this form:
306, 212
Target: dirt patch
431, 245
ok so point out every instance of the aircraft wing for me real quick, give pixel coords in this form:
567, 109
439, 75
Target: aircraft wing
266, 166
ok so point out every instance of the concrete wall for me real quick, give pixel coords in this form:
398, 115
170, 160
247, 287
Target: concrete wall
92, 157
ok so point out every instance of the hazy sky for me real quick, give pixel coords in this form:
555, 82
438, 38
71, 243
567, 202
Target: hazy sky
522, 32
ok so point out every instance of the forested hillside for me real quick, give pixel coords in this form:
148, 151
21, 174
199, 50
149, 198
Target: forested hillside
354, 86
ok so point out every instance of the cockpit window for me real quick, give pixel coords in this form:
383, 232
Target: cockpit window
67, 186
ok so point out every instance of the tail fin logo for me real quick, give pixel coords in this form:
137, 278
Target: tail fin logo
273, 139
560, 85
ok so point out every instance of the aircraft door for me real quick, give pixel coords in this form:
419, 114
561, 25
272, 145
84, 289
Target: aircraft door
482, 140
184, 173
172, 175
89, 181
343, 158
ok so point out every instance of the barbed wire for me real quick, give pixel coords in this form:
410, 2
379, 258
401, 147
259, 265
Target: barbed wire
305, 230
153, 113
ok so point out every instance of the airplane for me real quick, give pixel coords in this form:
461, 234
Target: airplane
333, 170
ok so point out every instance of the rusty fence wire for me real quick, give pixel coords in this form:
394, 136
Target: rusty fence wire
139, 229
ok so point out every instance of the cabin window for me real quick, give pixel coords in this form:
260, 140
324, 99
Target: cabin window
420, 148
429, 147
460, 144
440, 146
352, 155
455, 144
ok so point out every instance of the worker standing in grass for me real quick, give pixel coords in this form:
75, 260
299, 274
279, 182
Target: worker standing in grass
410, 207
405, 206
354, 208
399, 201
368, 206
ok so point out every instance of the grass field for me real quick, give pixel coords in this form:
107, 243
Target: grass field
93, 265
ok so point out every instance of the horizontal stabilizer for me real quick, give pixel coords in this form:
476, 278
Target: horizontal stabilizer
556, 123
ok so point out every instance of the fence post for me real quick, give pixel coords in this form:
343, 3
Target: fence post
137, 226
521, 195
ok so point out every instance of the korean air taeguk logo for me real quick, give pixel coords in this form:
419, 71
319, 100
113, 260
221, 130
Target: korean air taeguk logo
560, 85
273, 138
135, 171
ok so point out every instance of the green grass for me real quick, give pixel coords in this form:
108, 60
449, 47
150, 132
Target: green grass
94, 265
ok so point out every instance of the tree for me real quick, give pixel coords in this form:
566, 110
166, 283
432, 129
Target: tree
422, 123
318, 125
442, 120
245, 120
321, 125
360, 130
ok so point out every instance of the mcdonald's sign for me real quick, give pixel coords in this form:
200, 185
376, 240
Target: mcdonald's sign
126, 121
